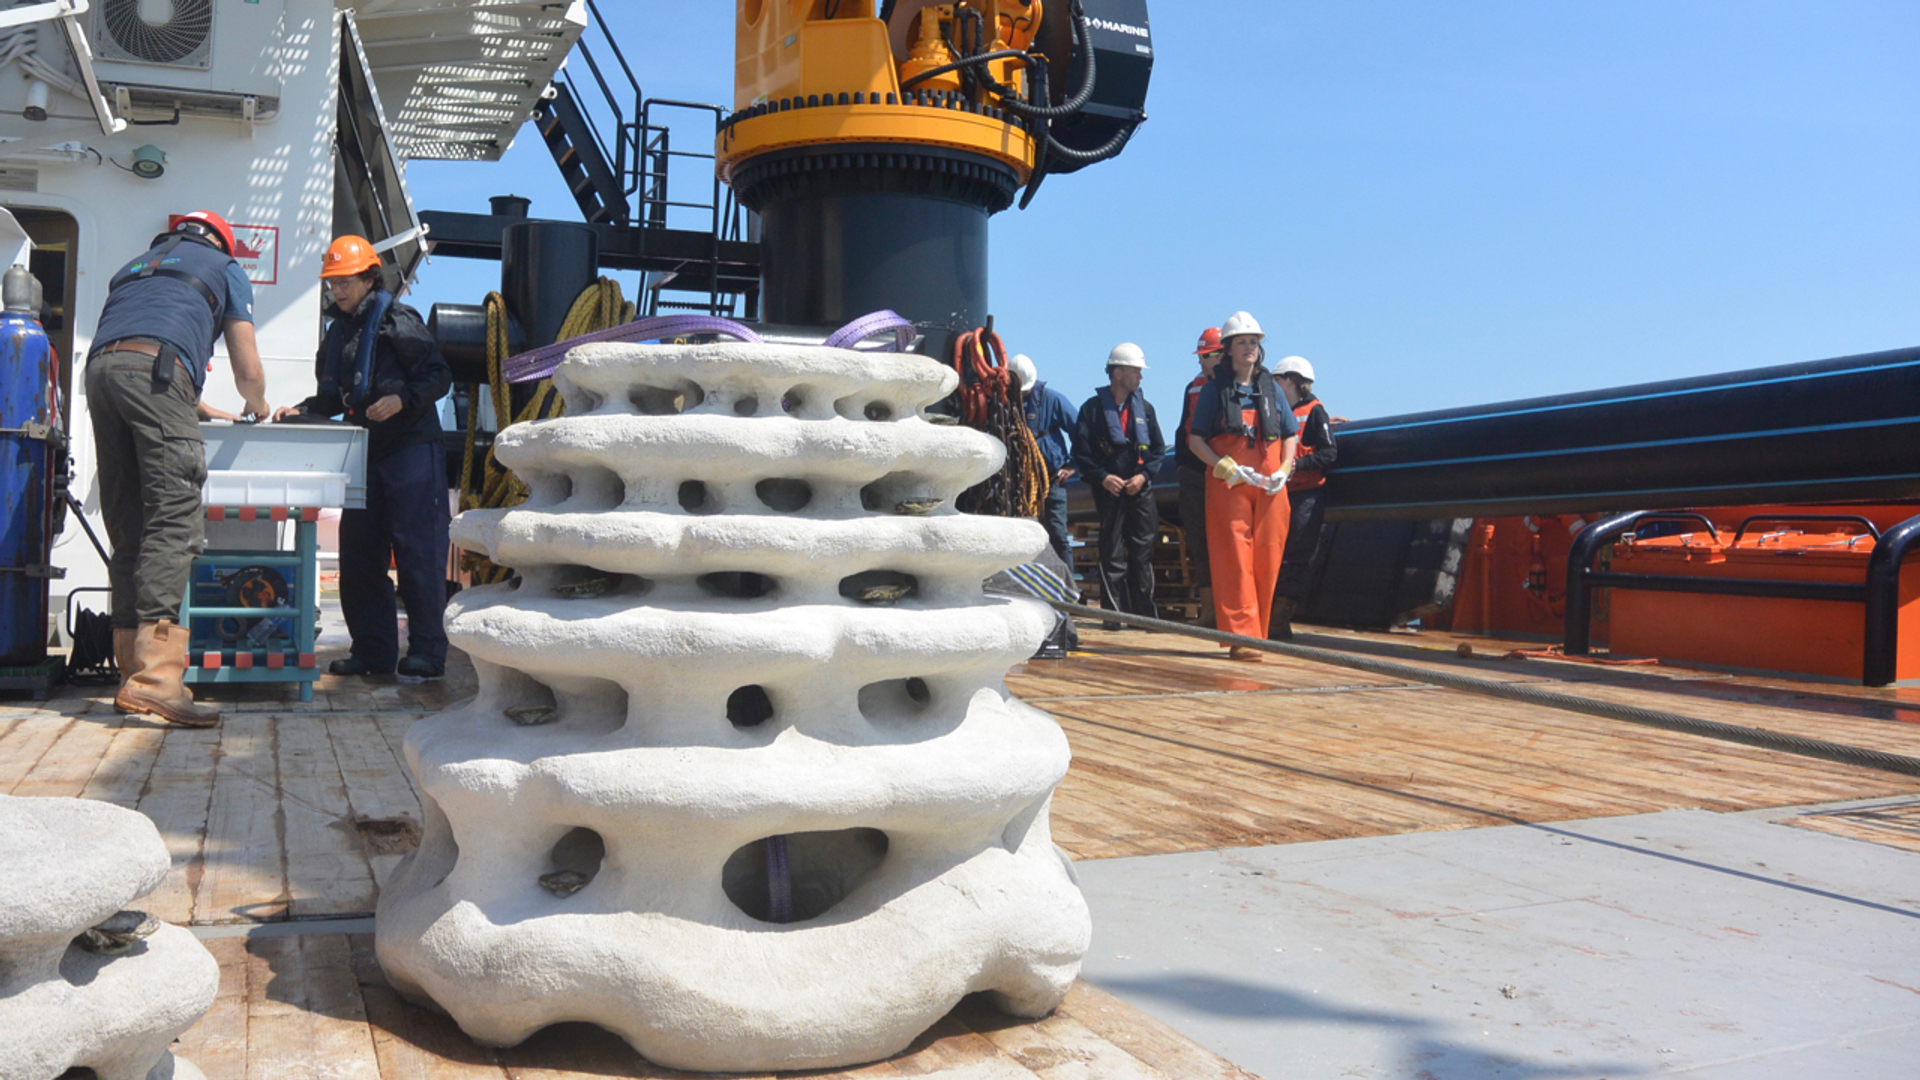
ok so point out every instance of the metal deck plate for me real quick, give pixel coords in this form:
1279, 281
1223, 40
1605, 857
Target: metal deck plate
1683, 943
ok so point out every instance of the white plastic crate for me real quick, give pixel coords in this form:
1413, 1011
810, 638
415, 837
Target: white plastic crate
302, 489
295, 456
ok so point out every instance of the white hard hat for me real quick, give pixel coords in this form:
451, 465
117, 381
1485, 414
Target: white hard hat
1241, 324
1127, 354
1294, 365
1024, 371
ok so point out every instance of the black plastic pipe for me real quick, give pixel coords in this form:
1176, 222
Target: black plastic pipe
1825, 431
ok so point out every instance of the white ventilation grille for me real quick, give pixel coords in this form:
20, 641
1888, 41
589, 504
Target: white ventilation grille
169, 33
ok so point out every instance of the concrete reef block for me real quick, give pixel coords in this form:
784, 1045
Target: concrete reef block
110, 999
743, 782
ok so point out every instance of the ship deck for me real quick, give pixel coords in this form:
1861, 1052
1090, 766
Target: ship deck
284, 821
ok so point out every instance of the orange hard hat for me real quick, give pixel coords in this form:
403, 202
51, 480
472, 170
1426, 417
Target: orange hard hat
1209, 341
348, 256
206, 223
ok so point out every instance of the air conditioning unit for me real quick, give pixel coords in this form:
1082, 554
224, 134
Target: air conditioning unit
165, 33
197, 52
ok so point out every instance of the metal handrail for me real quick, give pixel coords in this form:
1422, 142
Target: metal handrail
1850, 519
1880, 592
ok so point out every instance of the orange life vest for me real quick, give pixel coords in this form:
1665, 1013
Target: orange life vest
1305, 479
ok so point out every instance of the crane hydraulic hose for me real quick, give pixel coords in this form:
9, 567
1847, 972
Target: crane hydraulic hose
1110, 148
1532, 695
1010, 100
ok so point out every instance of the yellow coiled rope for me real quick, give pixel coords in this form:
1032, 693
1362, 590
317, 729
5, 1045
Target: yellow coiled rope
600, 307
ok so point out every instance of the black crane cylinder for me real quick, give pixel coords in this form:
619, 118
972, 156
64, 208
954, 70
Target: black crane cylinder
852, 229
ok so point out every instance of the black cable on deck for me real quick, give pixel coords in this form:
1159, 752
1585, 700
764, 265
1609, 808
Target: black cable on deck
1533, 695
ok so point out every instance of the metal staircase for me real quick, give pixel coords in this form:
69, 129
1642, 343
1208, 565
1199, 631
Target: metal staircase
636, 172
576, 148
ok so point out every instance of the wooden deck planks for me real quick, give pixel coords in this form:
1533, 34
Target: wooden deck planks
244, 868
1206, 768
327, 868
127, 764
376, 783
178, 797
305, 1015
70, 760
218, 1043
22, 747
1896, 825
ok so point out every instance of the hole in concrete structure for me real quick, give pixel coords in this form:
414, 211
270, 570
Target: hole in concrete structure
901, 493
694, 498
896, 699
594, 488
550, 489
749, 706
666, 401
737, 584
879, 587
746, 406
587, 583
527, 702
820, 869
573, 862
79, 1072
793, 400
586, 401
861, 407
786, 496
590, 706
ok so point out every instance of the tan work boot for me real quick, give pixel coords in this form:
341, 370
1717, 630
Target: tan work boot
159, 688
123, 660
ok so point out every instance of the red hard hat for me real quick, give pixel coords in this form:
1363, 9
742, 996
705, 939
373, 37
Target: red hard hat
1209, 341
206, 221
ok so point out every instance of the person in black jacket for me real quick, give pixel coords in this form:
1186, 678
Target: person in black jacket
1117, 446
379, 368
1306, 492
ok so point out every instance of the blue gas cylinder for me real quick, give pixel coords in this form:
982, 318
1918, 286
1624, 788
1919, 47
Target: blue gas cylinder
26, 520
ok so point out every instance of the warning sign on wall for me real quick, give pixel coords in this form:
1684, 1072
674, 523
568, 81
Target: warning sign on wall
257, 250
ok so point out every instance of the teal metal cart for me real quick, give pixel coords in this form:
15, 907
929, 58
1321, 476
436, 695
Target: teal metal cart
253, 614
285, 652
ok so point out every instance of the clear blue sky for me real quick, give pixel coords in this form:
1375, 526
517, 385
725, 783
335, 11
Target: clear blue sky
1437, 204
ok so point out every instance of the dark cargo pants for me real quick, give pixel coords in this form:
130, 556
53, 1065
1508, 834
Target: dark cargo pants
1129, 530
404, 525
151, 464
1193, 522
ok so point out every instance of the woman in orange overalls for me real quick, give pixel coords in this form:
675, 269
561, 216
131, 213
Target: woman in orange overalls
1244, 430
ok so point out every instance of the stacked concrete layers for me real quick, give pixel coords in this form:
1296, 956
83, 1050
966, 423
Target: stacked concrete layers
743, 782
69, 866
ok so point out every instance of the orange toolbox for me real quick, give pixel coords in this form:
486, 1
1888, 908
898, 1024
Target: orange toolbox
1789, 592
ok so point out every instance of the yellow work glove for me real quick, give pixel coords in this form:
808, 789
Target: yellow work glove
1226, 469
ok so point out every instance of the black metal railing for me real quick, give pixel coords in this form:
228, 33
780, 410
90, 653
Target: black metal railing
1879, 592
641, 154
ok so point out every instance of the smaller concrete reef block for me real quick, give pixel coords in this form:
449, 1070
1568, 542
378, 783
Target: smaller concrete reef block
87, 981
743, 782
